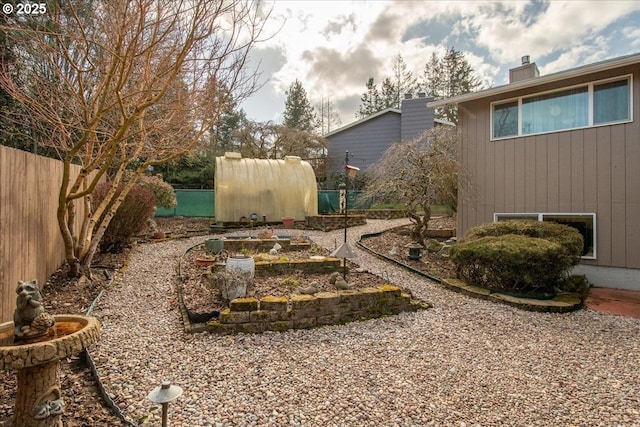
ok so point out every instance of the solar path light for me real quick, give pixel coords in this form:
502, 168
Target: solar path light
164, 394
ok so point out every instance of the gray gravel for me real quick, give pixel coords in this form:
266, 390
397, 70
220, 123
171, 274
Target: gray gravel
465, 362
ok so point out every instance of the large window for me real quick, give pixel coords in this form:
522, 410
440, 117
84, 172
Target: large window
505, 119
592, 104
555, 111
585, 223
611, 102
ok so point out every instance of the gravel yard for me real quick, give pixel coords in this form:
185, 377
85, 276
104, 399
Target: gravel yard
464, 362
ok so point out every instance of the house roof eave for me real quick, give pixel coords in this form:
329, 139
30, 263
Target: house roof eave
362, 120
549, 78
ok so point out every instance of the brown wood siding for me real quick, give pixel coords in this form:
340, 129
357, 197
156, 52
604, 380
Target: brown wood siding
584, 170
31, 245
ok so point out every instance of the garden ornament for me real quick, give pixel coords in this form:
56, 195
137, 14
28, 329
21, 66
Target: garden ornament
394, 249
29, 318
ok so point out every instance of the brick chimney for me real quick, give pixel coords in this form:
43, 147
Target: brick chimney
527, 70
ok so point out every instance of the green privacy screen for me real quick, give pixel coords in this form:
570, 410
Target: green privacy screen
191, 203
201, 203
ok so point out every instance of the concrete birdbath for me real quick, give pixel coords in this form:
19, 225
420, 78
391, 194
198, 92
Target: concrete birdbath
35, 355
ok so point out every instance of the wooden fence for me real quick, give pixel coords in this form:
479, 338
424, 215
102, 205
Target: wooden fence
31, 245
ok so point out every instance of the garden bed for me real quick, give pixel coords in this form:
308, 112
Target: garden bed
433, 264
290, 273
437, 266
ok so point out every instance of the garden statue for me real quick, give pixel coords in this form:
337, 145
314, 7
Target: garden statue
394, 249
338, 281
312, 289
29, 318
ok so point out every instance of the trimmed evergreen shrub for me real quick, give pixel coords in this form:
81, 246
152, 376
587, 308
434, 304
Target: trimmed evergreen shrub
511, 263
130, 218
568, 237
518, 256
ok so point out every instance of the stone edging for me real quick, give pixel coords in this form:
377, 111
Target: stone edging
563, 303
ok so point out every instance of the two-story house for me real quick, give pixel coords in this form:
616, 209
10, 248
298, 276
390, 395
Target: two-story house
561, 147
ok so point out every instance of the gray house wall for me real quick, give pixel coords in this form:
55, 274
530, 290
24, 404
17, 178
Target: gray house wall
416, 117
368, 140
587, 170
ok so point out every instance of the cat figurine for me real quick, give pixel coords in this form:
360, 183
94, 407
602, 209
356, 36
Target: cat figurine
28, 307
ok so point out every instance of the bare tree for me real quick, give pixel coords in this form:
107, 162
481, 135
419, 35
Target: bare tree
329, 118
419, 174
287, 141
125, 85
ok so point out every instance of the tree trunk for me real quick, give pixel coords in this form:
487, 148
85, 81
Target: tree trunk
37, 387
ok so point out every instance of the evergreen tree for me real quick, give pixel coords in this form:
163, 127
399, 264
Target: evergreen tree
299, 113
392, 91
389, 95
403, 80
224, 133
370, 100
11, 120
449, 76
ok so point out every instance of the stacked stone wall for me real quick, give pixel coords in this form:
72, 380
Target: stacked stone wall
334, 222
381, 213
250, 315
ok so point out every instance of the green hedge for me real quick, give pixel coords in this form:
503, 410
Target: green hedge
519, 256
567, 237
510, 263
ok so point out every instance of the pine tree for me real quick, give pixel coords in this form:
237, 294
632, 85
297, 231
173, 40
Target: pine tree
370, 100
392, 91
449, 76
403, 80
299, 113
389, 94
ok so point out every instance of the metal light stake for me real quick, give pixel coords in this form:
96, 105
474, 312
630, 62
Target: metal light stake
344, 251
165, 394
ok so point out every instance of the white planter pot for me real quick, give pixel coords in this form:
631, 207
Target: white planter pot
244, 265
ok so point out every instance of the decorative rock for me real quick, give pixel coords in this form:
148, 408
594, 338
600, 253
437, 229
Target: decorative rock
309, 290
341, 284
433, 246
444, 250
333, 277
375, 372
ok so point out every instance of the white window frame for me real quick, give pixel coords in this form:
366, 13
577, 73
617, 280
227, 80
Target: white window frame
539, 216
590, 107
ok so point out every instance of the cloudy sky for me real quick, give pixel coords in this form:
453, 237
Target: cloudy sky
333, 47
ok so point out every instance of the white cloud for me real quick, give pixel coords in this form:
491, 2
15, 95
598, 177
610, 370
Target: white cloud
563, 25
332, 47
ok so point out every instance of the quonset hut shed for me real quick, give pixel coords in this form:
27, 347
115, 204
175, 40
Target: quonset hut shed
273, 189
